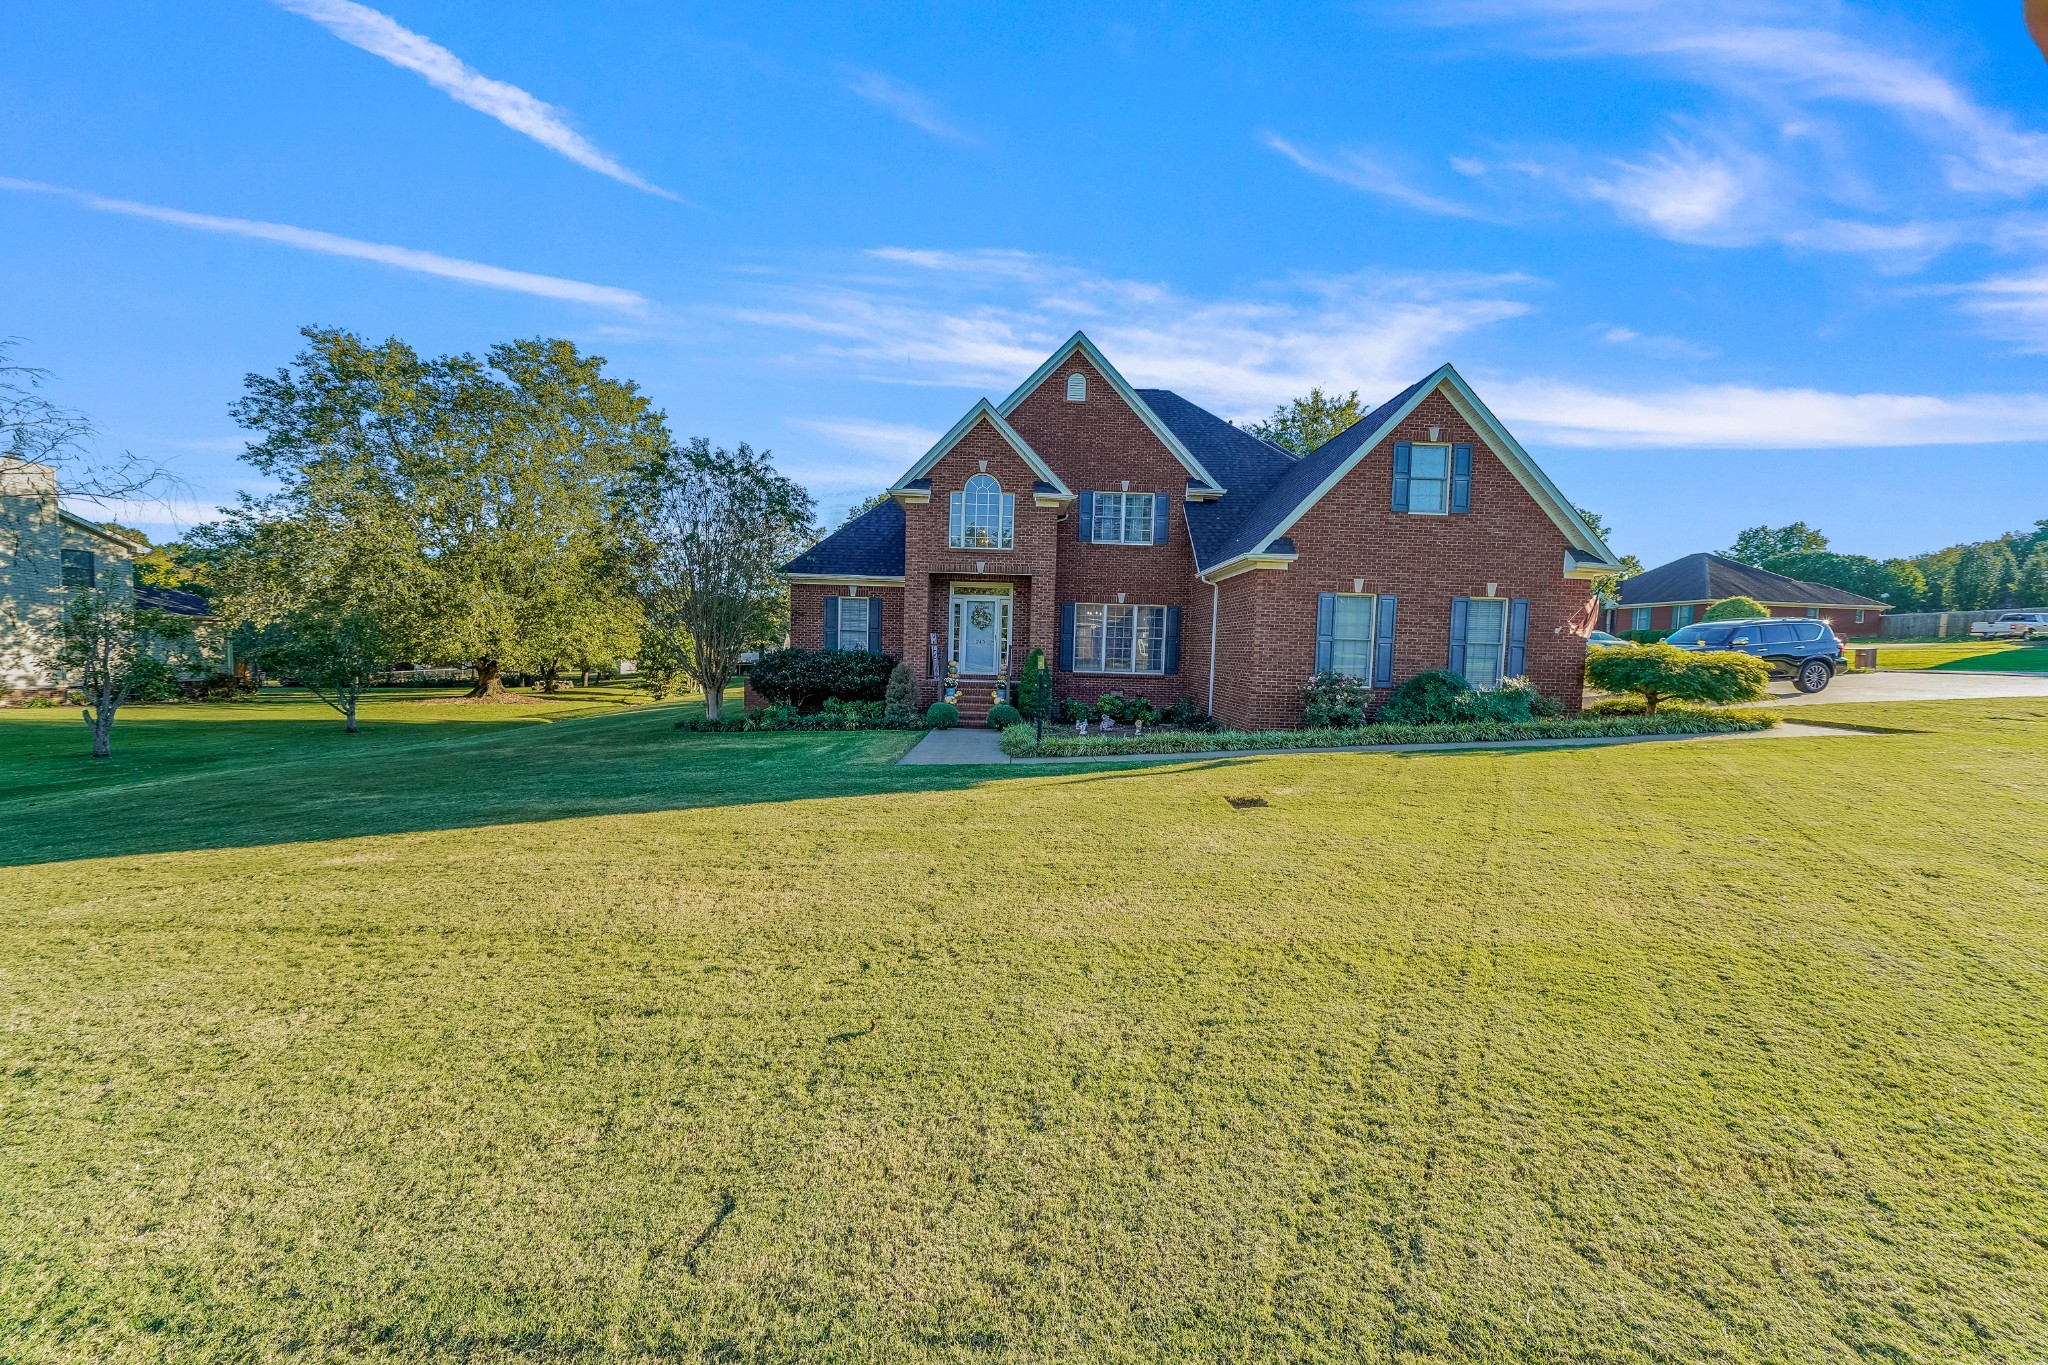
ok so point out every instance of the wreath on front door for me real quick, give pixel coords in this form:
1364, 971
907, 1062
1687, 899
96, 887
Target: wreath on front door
982, 617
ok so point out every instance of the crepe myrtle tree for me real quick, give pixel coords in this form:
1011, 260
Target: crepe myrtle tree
716, 526
110, 645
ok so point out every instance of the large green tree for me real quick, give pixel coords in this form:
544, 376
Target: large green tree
1897, 583
477, 507
1306, 422
108, 645
1759, 545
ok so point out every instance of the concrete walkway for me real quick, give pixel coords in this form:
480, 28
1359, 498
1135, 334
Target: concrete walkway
1914, 685
978, 747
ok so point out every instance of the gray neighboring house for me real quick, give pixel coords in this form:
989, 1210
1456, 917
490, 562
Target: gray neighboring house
46, 555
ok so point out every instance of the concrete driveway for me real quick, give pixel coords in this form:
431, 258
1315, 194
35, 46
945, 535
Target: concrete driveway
1915, 686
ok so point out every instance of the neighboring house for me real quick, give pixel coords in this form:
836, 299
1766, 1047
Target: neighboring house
1152, 548
46, 555
1679, 593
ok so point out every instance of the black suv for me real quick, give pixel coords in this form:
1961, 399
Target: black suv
1806, 651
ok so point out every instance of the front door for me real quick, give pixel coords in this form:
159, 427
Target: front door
979, 635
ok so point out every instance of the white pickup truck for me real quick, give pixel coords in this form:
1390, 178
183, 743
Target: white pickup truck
2013, 625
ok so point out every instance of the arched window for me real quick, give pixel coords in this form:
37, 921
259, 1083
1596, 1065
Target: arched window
982, 516
1077, 387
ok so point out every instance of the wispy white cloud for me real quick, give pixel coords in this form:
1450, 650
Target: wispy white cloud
945, 319
2013, 306
893, 440
327, 243
1668, 347
906, 102
1728, 416
984, 320
382, 36
1682, 192
1360, 172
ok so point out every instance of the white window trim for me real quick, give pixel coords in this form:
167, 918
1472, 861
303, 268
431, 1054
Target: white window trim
1507, 612
1134, 608
867, 608
956, 598
1445, 447
1006, 520
1095, 518
1372, 631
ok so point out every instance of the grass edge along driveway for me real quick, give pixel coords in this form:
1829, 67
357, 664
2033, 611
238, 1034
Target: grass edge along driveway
602, 1041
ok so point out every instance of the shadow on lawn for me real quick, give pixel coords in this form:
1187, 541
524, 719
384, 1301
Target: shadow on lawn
176, 786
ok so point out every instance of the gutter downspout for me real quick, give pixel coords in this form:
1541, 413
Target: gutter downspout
1215, 598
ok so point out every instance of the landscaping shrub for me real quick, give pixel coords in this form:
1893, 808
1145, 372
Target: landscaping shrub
1435, 697
1003, 715
805, 678
153, 681
1646, 637
1187, 714
1073, 710
1334, 700
1660, 672
1019, 742
899, 699
1034, 689
1544, 708
941, 715
851, 715
41, 703
1508, 704
1617, 706
218, 687
1735, 609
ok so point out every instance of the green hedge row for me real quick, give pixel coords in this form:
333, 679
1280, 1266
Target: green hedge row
1018, 740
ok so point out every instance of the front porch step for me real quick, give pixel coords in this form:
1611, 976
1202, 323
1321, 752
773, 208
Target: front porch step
974, 704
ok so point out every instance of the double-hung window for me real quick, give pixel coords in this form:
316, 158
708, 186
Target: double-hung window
853, 622
1681, 617
78, 569
1351, 620
984, 516
1110, 637
1429, 478
1486, 640
1639, 619
1122, 519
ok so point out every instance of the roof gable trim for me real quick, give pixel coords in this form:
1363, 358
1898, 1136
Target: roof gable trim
982, 408
1079, 342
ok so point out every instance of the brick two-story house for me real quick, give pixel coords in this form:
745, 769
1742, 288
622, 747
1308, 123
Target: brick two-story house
1152, 548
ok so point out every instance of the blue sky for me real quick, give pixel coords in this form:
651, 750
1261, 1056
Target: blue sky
1714, 264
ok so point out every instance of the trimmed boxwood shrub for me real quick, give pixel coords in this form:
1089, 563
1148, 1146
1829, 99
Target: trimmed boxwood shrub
1646, 637
1433, 697
805, 678
1034, 689
1003, 714
1019, 742
942, 715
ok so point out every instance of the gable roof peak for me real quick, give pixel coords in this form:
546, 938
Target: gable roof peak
983, 410
1079, 342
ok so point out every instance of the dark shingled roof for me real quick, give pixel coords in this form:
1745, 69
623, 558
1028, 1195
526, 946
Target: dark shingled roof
1245, 465
176, 601
1303, 477
871, 545
1709, 578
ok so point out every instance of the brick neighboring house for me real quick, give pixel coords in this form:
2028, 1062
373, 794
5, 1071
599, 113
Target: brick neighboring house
1677, 594
1152, 548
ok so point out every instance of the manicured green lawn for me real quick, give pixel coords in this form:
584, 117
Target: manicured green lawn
481, 1038
1987, 656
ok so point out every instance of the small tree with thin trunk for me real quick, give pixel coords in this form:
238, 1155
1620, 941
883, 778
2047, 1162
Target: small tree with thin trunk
109, 644
1736, 609
337, 655
718, 525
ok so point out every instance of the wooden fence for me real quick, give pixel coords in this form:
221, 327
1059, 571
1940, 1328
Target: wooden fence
1942, 624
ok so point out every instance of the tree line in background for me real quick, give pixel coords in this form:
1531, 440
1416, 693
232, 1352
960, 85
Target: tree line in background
1986, 575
